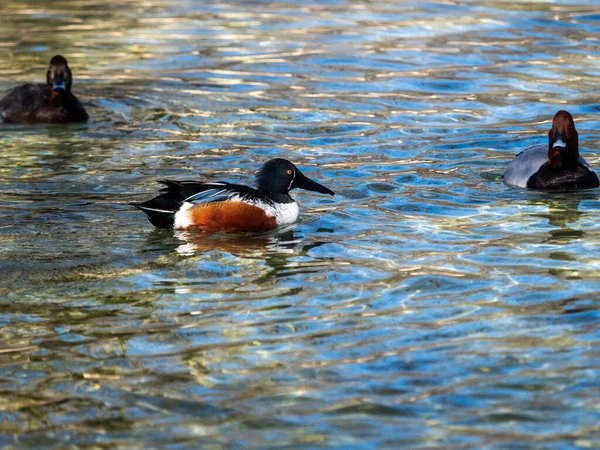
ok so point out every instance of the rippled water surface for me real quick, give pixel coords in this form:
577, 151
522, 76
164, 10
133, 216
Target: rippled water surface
425, 305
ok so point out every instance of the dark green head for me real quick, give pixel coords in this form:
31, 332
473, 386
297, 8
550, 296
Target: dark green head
279, 176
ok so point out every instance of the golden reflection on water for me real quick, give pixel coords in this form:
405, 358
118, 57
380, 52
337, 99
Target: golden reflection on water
426, 295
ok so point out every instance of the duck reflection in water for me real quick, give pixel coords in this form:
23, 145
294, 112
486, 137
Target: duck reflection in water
239, 244
275, 247
563, 210
283, 240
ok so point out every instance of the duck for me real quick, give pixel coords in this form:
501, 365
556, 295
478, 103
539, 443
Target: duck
556, 166
52, 102
221, 206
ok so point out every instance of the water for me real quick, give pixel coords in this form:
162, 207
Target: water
426, 304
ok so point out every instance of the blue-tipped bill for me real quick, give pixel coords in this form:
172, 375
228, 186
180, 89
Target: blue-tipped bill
59, 86
560, 141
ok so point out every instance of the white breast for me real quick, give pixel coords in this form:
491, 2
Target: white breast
284, 213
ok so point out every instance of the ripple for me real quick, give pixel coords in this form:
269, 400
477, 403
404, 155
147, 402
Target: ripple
426, 294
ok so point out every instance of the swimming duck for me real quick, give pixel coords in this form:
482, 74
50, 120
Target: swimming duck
220, 206
556, 166
52, 102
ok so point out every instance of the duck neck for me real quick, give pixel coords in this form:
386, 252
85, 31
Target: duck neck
569, 158
277, 197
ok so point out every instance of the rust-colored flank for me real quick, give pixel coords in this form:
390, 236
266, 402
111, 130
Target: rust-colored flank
229, 215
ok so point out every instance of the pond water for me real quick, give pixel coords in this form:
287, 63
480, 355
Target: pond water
426, 304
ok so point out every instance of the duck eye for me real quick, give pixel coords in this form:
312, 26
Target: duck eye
289, 171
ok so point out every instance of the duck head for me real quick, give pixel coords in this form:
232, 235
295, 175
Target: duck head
59, 76
563, 142
279, 176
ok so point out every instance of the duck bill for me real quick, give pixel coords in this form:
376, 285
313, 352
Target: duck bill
59, 86
306, 183
59, 83
560, 141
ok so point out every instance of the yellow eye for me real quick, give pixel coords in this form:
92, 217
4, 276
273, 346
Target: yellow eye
289, 171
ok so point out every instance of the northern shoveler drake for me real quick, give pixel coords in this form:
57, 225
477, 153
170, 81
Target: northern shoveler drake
221, 206
52, 102
556, 166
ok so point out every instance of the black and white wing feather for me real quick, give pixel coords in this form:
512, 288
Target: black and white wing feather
161, 209
195, 192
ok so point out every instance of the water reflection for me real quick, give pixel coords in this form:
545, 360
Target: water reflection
563, 210
409, 302
279, 249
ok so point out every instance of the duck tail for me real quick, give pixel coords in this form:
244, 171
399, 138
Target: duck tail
160, 211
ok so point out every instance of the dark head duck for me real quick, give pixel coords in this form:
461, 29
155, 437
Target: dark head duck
52, 102
279, 176
556, 166
220, 206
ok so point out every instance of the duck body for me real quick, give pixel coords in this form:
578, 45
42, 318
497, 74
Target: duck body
532, 169
216, 207
52, 102
556, 166
35, 103
221, 206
